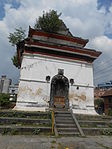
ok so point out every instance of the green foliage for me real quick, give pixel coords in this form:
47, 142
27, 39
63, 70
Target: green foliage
14, 38
49, 22
107, 132
15, 60
99, 102
110, 112
17, 36
4, 99
36, 131
14, 131
5, 131
99, 105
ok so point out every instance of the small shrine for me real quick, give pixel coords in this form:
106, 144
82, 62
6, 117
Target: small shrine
56, 71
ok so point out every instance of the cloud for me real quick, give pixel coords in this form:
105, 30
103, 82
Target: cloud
102, 66
103, 43
104, 3
81, 17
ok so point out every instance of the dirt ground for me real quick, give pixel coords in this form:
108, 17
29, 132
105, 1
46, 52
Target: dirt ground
45, 142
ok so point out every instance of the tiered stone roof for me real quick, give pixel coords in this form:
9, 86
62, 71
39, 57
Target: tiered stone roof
60, 46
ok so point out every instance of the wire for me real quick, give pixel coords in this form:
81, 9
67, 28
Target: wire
105, 67
101, 77
105, 71
101, 60
102, 64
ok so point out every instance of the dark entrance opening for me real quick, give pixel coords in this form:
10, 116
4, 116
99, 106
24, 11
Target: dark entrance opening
59, 91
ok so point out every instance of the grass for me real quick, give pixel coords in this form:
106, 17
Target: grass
107, 132
53, 141
36, 131
25, 114
4, 131
15, 131
29, 115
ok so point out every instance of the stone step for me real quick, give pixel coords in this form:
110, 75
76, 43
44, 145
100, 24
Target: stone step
91, 117
63, 118
12, 120
61, 109
69, 133
67, 129
63, 115
12, 113
97, 131
94, 123
59, 121
65, 125
62, 112
97, 121
10, 129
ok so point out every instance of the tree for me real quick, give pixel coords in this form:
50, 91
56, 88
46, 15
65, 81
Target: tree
49, 22
17, 36
14, 38
15, 60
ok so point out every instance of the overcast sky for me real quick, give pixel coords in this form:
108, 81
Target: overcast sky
90, 19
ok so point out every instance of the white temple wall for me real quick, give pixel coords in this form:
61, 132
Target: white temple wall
34, 91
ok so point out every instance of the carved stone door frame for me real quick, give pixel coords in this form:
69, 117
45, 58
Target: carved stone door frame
59, 77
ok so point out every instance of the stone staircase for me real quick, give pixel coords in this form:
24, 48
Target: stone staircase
69, 124
65, 124
24, 123
95, 125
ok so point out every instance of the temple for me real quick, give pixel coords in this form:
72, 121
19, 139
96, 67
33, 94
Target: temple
56, 71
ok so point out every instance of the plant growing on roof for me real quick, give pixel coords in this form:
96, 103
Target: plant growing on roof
49, 22
14, 38
17, 36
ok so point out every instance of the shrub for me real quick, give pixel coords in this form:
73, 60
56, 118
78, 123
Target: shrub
36, 131
99, 102
110, 112
99, 105
107, 132
49, 22
4, 99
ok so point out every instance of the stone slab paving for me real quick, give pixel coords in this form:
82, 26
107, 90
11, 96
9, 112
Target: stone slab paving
45, 142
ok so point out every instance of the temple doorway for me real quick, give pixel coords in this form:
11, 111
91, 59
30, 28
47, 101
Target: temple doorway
59, 91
